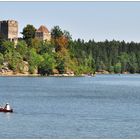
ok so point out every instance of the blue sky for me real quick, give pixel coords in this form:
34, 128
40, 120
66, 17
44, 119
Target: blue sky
85, 20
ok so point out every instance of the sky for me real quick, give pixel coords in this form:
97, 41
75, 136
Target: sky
85, 20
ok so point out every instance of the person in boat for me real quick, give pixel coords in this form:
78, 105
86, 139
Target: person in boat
1, 107
7, 107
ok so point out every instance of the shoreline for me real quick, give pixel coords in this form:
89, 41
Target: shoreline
38, 75
59, 75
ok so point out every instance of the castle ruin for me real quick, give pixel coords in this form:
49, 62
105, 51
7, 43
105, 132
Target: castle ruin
43, 33
9, 30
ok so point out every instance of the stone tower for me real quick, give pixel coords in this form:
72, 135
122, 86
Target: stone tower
43, 33
9, 30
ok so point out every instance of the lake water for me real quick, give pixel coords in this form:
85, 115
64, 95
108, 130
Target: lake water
105, 106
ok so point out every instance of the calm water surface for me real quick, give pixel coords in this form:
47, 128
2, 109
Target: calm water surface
105, 106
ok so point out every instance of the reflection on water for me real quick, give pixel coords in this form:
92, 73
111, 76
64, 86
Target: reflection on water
8, 116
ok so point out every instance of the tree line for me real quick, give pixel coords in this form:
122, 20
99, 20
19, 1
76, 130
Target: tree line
112, 56
63, 54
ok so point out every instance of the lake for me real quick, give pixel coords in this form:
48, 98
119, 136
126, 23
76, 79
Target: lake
105, 106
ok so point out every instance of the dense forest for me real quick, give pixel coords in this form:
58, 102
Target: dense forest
64, 55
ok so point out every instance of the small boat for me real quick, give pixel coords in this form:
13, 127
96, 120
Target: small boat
7, 108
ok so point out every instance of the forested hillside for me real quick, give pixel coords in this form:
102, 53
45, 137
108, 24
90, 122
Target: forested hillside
112, 56
64, 55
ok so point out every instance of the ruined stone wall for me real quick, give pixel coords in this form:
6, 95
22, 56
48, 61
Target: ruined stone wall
12, 29
39, 35
43, 36
4, 29
47, 36
9, 29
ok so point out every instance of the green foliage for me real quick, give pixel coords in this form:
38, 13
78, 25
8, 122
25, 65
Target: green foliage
67, 35
117, 68
111, 69
133, 65
22, 49
66, 55
1, 59
1, 40
47, 65
60, 64
34, 60
7, 46
28, 34
14, 60
124, 59
45, 47
138, 61
56, 32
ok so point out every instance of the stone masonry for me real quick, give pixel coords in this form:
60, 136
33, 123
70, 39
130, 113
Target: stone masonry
43, 33
9, 30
